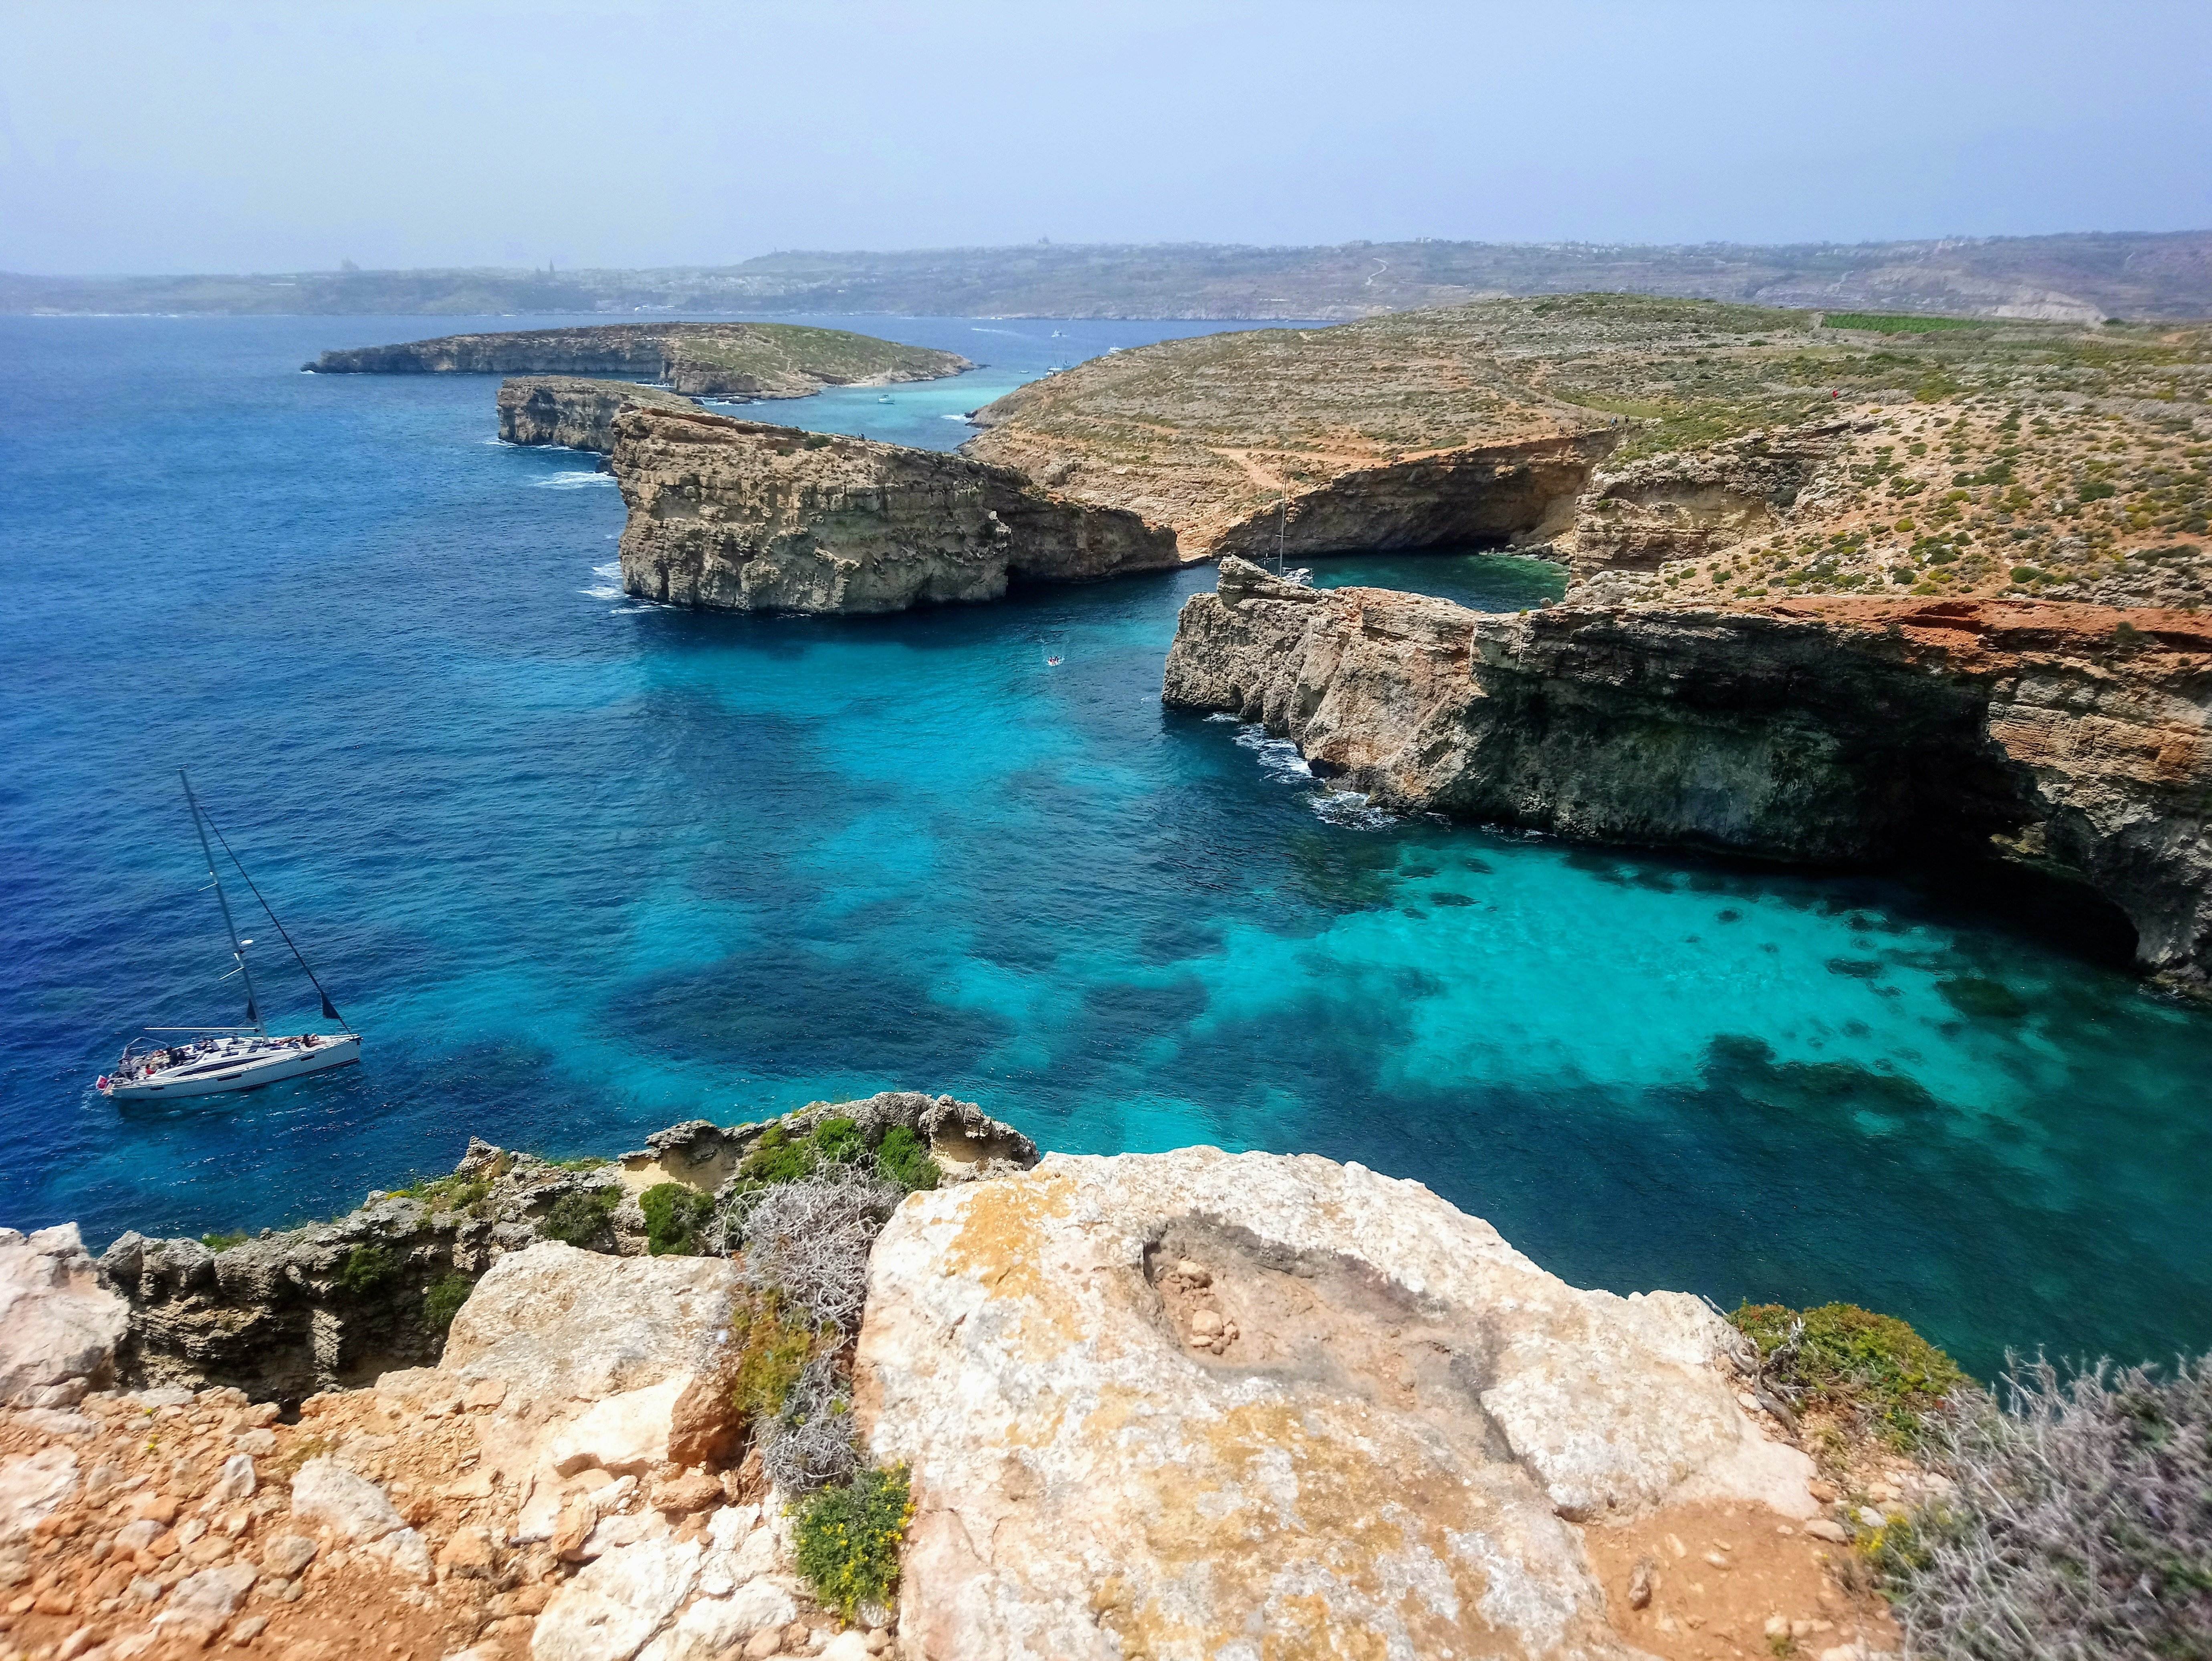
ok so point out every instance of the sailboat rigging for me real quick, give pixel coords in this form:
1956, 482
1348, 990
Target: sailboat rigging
221, 1059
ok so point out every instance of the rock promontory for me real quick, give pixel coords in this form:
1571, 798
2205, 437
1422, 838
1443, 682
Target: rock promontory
2075, 736
713, 360
572, 412
734, 515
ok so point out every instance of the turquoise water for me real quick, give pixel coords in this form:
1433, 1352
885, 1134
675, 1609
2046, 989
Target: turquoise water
580, 867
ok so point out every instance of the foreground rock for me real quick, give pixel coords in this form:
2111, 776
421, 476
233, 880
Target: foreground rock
727, 359
732, 515
1836, 729
1196, 1404
571, 411
59, 1326
565, 1487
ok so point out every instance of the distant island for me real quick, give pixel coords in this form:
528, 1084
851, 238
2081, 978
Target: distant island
2083, 278
705, 359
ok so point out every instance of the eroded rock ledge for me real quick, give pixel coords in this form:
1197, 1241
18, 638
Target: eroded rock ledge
1830, 730
572, 412
734, 515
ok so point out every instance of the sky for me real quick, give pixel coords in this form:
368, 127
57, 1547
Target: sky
180, 137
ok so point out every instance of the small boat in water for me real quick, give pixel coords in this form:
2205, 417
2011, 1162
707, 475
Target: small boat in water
211, 1060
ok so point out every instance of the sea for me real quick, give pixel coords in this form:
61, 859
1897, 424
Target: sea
579, 868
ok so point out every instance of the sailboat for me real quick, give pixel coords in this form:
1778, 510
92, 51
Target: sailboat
172, 1062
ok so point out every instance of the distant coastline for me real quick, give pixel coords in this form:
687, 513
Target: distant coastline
2081, 277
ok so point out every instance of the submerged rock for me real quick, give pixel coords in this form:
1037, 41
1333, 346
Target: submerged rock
732, 515
1197, 1403
1835, 730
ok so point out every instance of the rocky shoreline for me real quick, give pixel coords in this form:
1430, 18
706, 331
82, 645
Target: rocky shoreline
1355, 1408
1834, 731
734, 515
708, 360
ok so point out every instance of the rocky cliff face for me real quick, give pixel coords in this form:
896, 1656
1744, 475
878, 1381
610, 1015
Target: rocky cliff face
734, 360
572, 412
1196, 1404
1829, 730
732, 515
287, 1314
1686, 505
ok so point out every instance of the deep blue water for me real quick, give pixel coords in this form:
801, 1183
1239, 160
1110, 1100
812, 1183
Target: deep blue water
579, 868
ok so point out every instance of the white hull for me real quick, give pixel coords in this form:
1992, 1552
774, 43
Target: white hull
243, 1064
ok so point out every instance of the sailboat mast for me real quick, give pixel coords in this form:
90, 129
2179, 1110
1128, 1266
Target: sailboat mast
237, 949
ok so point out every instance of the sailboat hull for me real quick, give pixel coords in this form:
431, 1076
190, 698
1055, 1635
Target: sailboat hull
249, 1066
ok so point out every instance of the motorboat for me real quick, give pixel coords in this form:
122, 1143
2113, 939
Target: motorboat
173, 1062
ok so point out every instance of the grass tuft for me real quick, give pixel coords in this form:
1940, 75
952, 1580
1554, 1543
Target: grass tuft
1871, 1371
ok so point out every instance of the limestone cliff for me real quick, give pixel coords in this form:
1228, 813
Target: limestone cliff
1830, 730
733, 360
732, 515
571, 410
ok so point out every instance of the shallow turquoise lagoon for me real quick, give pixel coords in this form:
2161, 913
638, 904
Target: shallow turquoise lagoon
579, 868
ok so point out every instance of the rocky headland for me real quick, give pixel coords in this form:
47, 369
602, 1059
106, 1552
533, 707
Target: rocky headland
1163, 1404
1665, 450
572, 412
734, 515
2078, 737
707, 360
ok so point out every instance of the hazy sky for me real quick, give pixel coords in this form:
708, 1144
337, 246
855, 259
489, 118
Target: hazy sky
178, 136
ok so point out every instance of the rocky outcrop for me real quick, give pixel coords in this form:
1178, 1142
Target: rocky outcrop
287, 1314
722, 359
290, 1313
58, 1325
573, 413
1196, 1403
732, 515
1690, 503
1831, 730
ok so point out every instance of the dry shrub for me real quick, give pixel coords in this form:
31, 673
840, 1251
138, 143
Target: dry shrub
807, 1242
2080, 1529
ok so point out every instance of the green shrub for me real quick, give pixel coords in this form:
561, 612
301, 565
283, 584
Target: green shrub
579, 1217
775, 1158
848, 1539
1871, 1370
903, 1157
772, 1352
839, 1140
222, 1241
444, 1299
674, 1215
367, 1270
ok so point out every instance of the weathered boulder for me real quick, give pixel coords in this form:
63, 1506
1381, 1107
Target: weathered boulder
732, 515
572, 412
620, 1364
1833, 730
1195, 1403
59, 1326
